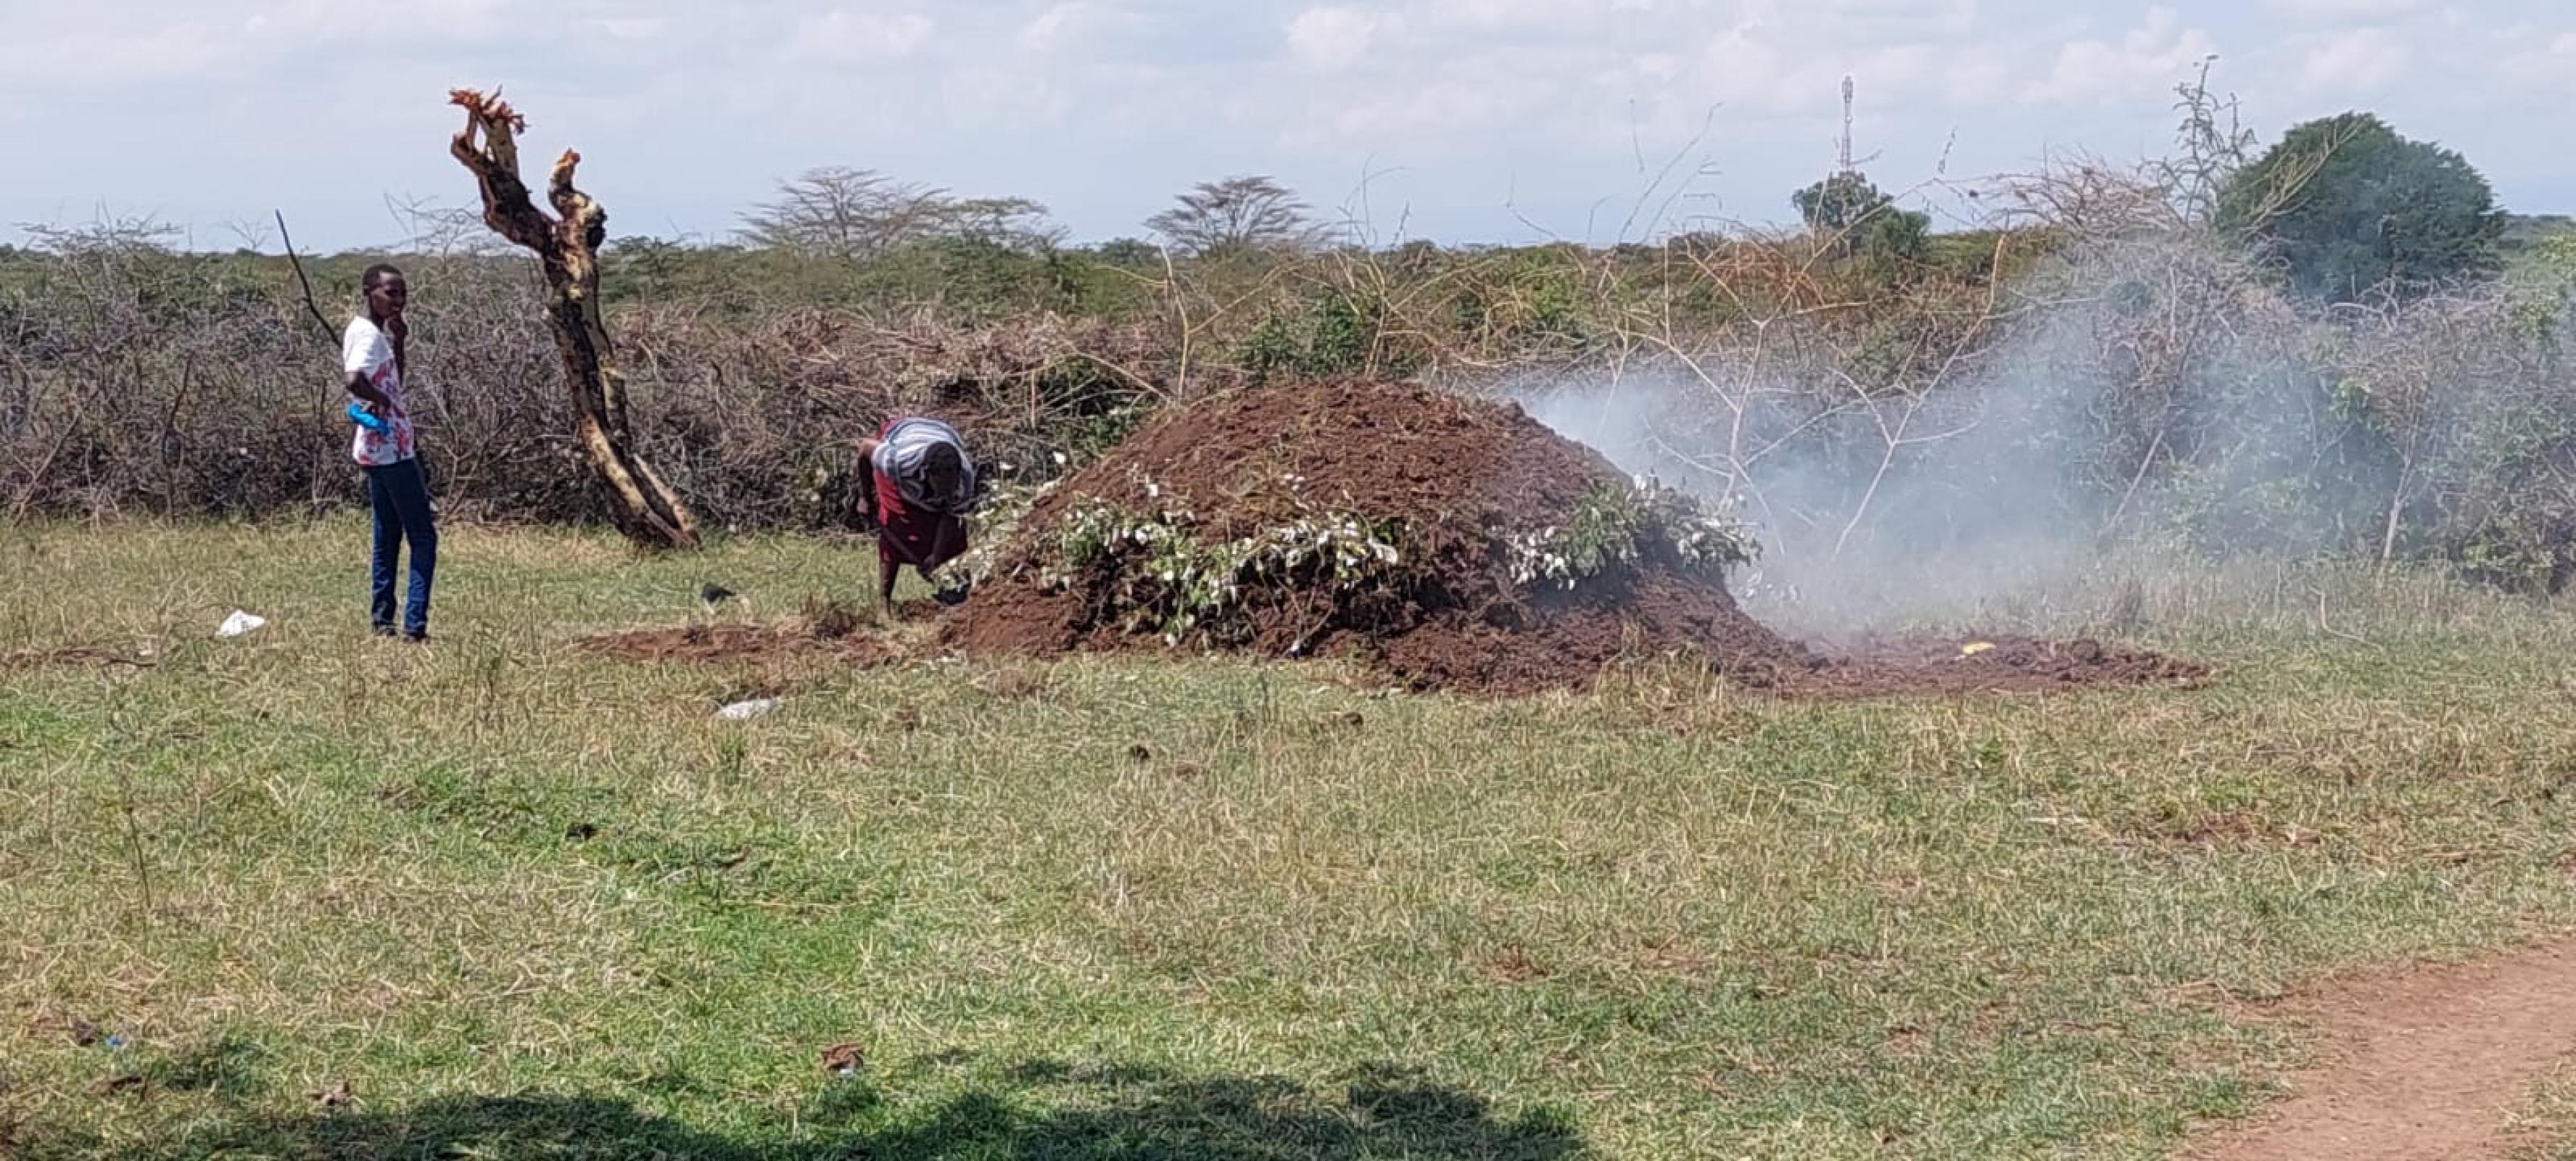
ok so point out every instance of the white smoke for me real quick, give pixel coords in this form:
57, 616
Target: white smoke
1881, 509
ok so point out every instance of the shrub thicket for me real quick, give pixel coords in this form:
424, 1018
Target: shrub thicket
2105, 363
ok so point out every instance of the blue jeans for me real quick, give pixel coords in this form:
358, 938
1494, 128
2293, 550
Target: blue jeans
401, 499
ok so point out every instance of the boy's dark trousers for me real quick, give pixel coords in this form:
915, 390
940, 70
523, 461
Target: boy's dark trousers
401, 499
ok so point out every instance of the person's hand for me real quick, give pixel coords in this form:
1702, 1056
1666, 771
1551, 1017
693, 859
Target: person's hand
398, 327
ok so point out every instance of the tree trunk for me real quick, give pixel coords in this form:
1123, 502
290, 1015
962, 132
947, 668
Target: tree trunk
567, 248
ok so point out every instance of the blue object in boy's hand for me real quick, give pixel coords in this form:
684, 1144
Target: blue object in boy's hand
365, 418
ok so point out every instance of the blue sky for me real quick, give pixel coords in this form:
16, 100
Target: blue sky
1460, 120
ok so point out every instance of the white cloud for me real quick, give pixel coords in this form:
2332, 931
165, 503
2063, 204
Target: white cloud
2148, 58
2548, 68
226, 40
1978, 76
1787, 73
189, 50
2360, 60
1004, 96
443, 21
1048, 28
1505, 14
1625, 75
844, 35
1073, 22
2343, 9
1504, 11
634, 27
1332, 38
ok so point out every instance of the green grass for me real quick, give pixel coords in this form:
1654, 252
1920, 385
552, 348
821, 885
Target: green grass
531, 903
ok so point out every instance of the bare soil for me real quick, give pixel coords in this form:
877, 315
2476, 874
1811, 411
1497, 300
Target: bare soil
76, 655
2426, 1064
743, 642
1993, 664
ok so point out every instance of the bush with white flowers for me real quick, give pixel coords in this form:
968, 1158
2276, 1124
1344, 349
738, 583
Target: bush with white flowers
1167, 581
997, 525
1618, 522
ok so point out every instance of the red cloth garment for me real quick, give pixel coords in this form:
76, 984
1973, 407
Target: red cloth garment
909, 535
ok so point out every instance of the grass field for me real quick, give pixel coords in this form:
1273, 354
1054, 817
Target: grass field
307, 893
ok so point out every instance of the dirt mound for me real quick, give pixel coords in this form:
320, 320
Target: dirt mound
1364, 519
1450, 542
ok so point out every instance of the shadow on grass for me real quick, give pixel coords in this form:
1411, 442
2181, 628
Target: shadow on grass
1042, 1110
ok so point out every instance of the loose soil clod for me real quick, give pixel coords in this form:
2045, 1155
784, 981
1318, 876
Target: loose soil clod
1883, 666
1462, 477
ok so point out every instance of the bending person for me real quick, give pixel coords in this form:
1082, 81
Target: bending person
922, 487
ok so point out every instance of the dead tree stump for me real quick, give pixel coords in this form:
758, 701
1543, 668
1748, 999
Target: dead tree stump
567, 247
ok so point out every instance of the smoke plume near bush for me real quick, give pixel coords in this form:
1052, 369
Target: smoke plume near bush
2141, 396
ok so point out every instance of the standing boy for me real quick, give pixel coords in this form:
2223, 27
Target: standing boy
921, 489
373, 357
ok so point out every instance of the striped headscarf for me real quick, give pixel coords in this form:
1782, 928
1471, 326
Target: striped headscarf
905, 448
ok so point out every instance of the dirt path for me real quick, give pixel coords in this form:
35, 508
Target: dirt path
2428, 1064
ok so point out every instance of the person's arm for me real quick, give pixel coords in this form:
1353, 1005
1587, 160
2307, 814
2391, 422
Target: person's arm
378, 403
356, 347
866, 499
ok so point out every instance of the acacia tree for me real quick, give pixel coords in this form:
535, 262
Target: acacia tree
567, 249
1238, 213
858, 214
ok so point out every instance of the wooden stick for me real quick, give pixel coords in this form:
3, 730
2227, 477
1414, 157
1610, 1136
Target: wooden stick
328, 335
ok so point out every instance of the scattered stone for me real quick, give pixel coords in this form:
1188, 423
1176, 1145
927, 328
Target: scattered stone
240, 623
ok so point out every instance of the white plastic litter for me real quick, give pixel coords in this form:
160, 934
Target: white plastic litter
743, 711
238, 624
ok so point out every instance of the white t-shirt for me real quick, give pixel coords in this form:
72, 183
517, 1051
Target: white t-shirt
367, 350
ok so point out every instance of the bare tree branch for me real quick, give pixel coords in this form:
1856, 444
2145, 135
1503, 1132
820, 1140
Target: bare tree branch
567, 249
